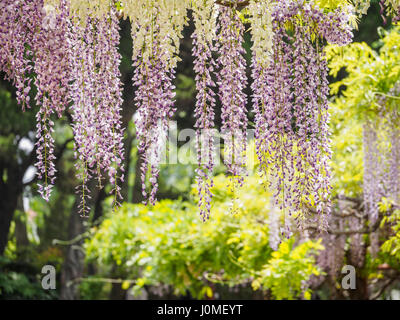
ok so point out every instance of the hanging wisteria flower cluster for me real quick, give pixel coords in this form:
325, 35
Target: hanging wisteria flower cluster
262, 37
381, 159
346, 242
385, 152
70, 49
373, 171
156, 30
232, 81
51, 67
204, 17
96, 98
290, 105
19, 21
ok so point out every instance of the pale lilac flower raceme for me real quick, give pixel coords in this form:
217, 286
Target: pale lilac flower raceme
291, 109
19, 21
76, 62
204, 66
96, 96
262, 38
52, 70
372, 177
392, 131
110, 151
232, 81
381, 160
32, 40
155, 105
156, 29
83, 110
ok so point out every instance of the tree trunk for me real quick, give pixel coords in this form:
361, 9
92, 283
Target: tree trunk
117, 293
137, 196
21, 235
74, 261
10, 191
7, 208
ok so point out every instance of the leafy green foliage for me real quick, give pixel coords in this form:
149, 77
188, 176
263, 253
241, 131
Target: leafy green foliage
21, 284
365, 94
168, 245
347, 152
298, 262
370, 74
392, 245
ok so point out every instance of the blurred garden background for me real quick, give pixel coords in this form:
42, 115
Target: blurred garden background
166, 251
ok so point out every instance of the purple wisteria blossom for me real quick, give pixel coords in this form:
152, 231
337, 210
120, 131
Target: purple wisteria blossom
96, 96
110, 152
381, 160
392, 130
76, 63
155, 106
73, 62
291, 109
52, 71
232, 81
204, 66
83, 112
19, 21
372, 184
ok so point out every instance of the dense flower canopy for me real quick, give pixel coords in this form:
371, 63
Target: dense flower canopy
71, 49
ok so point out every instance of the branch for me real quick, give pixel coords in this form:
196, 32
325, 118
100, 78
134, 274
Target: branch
106, 280
382, 289
349, 232
78, 238
371, 229
356, 213
237, 5
347, 213
351, 199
